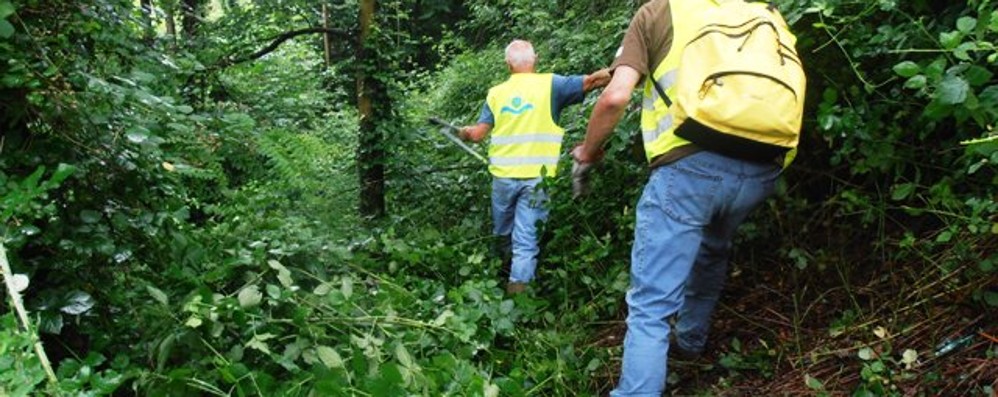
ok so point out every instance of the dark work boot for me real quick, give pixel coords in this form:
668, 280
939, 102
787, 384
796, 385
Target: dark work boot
676, 352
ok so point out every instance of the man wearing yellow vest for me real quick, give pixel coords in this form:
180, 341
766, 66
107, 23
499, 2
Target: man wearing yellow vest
691, 205
521, 114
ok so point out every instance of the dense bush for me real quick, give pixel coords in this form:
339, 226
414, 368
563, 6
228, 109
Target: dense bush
189, 226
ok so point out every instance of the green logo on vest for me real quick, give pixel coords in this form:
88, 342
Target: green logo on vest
518, 107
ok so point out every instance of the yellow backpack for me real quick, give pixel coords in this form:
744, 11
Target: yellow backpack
740, 84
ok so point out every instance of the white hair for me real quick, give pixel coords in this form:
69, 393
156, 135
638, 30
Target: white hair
520, 53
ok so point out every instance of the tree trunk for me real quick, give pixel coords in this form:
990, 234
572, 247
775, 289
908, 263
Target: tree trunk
191, 17
169, 6
370, 154
148, 31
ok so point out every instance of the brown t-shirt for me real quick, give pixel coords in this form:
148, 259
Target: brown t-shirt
646, 44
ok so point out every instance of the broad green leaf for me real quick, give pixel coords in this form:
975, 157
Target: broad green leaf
907, 69
329, 357
77, 302
194, 322
323, 289
952, 90
6, 9
158, 295
966, 24
50, 322
283, 274
950, 40
813, 383
402, 354
991, 298
259, 342
994, 21
916, 82
962, 52
977, 75
62, 172
491, 390
902, 191
347, 287
6, 29
90, 216
250, 297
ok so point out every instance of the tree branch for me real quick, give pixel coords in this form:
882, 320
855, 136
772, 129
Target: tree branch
276, 42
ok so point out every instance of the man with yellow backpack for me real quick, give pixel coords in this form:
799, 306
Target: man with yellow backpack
721, 116
524, 148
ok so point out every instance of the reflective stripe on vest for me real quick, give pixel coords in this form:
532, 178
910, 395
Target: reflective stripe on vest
657, 127
526, 141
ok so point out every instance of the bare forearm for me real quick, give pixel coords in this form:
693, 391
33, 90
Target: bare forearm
604, 118
608, 110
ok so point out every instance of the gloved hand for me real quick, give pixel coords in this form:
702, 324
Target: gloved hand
580, 178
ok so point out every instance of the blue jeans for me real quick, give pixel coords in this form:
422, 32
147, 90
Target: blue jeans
518, 206
686, 219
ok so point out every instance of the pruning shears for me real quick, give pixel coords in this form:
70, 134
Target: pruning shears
446, 129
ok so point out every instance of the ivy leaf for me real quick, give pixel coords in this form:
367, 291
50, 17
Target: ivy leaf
907, 69
6, 29
347, 287
962, 52
916, 82
90, 216
977, 75
966, 24
402, 354
950, 40
77, 302
250, 297
259, 342
6, 9
283, 274
813, 383
329, 357
158, 295
952, 90
991, 298
902, 191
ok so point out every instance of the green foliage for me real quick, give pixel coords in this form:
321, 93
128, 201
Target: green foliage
198, 223
20, 370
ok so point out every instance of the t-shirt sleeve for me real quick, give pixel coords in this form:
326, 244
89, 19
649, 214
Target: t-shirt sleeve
633, 50
565, 90
568, 90
486, 115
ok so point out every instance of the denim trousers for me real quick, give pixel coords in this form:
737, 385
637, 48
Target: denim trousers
686, 218
518, 207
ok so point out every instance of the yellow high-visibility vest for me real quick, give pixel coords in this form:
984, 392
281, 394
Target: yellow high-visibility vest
657, 124
526, 141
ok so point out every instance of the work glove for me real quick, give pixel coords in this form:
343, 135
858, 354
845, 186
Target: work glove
580, 178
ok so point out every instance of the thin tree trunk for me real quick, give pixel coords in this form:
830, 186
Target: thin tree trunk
169, 6
148, 32
191, 17
326, 45
370, 156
